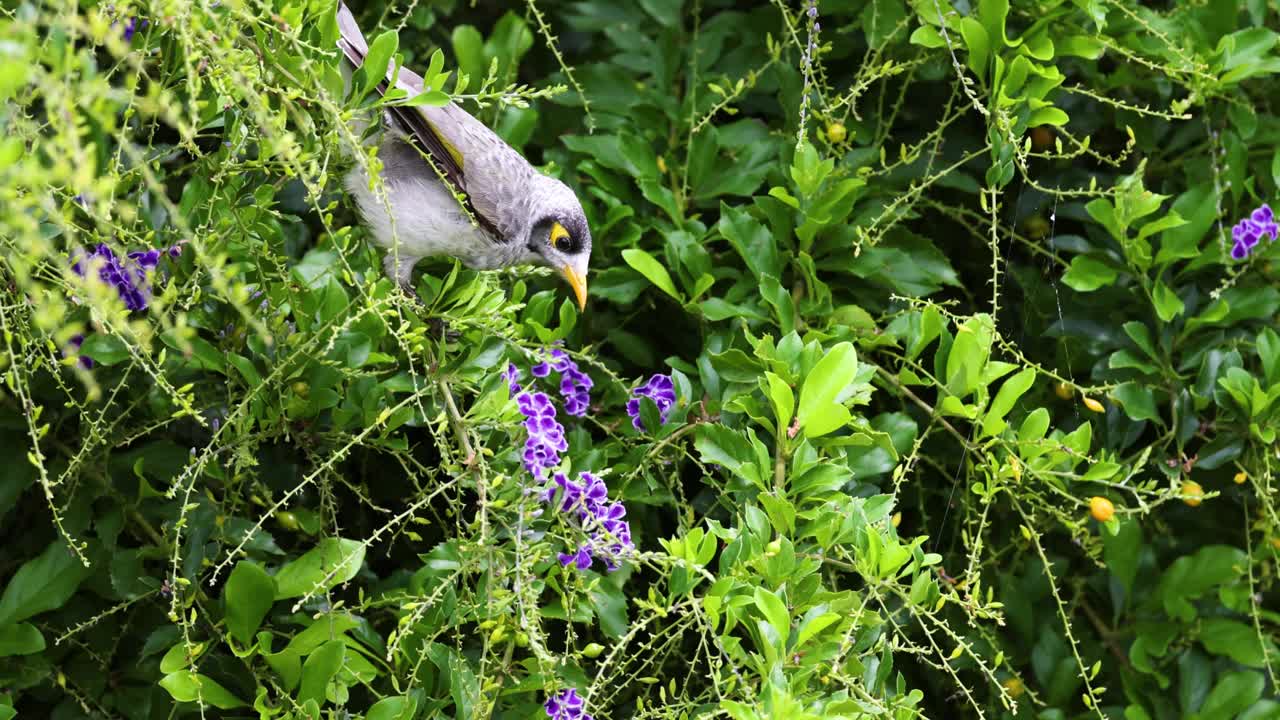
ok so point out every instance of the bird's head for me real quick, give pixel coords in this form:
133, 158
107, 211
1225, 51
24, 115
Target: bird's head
559, 237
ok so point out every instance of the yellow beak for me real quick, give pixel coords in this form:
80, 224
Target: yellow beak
578, 283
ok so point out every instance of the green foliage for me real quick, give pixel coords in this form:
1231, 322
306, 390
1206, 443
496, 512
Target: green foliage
927, 276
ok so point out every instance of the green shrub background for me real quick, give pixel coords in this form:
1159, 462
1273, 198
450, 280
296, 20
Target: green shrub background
929, 276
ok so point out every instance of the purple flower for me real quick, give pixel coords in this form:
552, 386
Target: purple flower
580, 559
512, 376
546, 436
1248, 232
661, 391
566, 705
588, 501
85, 361
128, 276
132, 25
575, 385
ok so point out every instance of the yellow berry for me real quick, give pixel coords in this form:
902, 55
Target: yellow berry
1101, 508
1063, 390
1014, 687
1275, 543
1240, 477
1194, 493
662, 165
836, 132
1093, 405
897, 519
301, 388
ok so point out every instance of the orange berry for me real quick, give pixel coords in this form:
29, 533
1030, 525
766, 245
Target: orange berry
1101, 508
1194, 493
1240, 477
1041, 137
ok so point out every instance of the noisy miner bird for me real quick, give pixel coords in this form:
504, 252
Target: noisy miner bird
521, 217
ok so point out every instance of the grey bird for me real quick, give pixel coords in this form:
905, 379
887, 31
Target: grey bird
521, 217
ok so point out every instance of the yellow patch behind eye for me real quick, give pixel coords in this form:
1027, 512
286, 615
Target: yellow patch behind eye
557, 233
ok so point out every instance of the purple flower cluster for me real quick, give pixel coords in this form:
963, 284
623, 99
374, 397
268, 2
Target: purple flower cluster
127, 276
1249, 231
589, 500
566, 705
661, 391
575, 385
546, 436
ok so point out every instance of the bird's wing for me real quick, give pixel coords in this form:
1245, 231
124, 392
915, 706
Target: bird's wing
449, 135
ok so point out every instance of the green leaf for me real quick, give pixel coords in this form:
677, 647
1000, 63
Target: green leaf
753, 241
1121, 552
1048, 116
784, 400
979, 45
1199, 205
378, 58
1168, 305
926, 36
43, 583
993, 423
319, 669
1238, 641
249, 594
468, 50
105, 349
332, 562
1268, 346
968, 355
1141, 336
21, 639
1234, 692
774, 611
1087, 274
392, 708
880, 20
645, 264
908, 263
187, 686
1191, 576
819, 411
429, 98
1137, 400
994, 14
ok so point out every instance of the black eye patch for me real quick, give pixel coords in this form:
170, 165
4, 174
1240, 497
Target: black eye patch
568, 244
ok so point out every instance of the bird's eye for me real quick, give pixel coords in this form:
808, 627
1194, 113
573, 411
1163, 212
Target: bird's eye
560, 238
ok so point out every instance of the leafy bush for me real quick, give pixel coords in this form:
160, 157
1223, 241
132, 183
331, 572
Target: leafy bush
963, 321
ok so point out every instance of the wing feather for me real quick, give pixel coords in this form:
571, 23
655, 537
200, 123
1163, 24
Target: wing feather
439, 151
